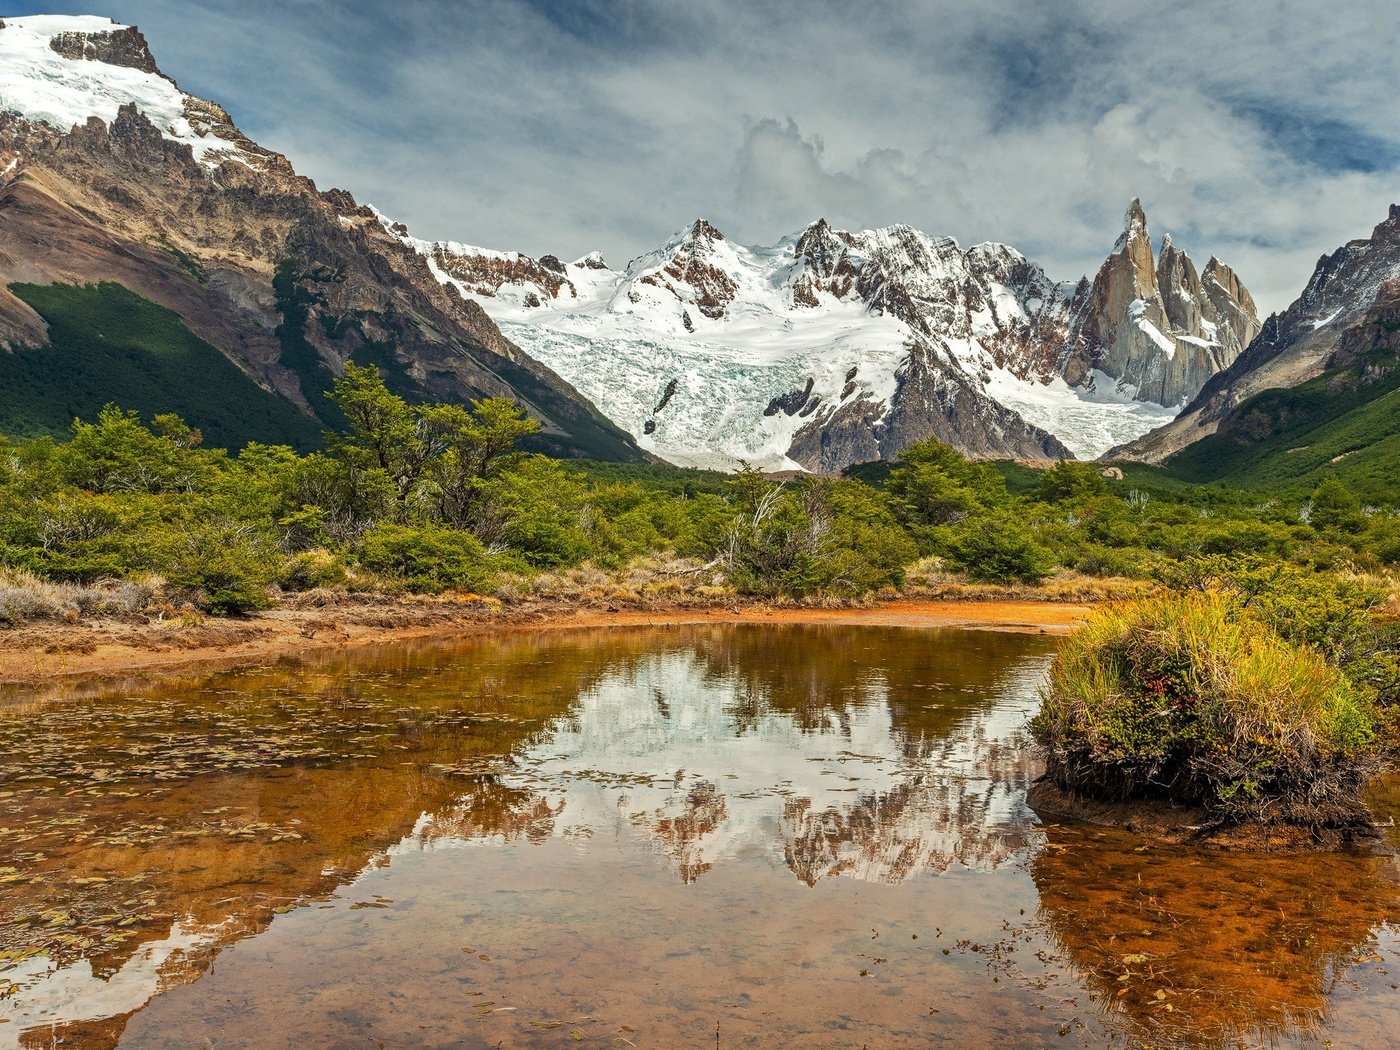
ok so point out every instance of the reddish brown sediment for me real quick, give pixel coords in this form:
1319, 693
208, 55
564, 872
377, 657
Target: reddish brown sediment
48, 651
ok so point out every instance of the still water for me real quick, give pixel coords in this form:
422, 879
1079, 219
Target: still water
708, 836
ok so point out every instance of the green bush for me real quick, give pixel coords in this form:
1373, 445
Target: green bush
308, 569
1183, 697
998, 549
822, 537
427, 558
226, 565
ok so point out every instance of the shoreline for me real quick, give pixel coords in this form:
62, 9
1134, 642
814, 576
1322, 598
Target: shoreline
48, 653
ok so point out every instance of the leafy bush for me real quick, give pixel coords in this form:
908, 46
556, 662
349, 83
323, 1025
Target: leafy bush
822, 537
427, 558
1183, 697
226, 565
998, 549
309, 569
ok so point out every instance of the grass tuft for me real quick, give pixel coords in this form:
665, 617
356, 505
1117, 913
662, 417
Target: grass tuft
1181, 697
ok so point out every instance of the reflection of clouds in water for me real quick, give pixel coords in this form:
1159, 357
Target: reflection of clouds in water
710, 772
47, 996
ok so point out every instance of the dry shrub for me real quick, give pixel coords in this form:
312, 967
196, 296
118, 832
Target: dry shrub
24, 596
1181, 697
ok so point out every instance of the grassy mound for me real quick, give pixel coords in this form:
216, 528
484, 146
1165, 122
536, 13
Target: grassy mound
1182, 697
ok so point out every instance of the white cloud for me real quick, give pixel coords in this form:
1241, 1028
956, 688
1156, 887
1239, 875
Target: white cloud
1261, 133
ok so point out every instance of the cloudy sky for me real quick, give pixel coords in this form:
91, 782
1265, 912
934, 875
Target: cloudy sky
1263, 132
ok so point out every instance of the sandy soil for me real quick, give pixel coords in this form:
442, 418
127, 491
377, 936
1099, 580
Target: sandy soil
48, 652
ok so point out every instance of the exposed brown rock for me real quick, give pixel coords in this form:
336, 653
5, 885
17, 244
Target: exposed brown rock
116, 47
1138, 307
126, 204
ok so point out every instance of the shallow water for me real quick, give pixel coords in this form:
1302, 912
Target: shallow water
694, 836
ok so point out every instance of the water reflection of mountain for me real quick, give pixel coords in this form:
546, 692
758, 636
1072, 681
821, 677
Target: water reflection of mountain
876, 754
141, 833
1214, 948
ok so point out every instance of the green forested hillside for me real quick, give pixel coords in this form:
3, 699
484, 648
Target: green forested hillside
109, 345
1343, 424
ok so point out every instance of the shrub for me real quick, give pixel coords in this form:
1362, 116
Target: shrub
1071, 481
309, 569
1183, 697
226, 565
824, 537
998, 549
427, 558
1334, 507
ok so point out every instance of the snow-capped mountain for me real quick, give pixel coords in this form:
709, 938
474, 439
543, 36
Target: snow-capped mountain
825, 349
832, 347
110, 173
1347, 306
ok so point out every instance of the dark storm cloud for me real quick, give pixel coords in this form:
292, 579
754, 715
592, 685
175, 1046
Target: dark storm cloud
1263, 132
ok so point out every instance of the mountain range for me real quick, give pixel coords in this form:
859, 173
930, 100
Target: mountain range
153, 254
834, 347
254, 286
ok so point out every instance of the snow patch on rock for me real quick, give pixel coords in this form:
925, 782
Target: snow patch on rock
40, 85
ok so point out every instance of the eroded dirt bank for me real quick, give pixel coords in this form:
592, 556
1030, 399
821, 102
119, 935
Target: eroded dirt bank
1165, 822
49, 652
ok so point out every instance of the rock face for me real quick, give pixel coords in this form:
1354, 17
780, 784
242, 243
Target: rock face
1336, 315
832, 347
125, 46
167, 197
1158, 327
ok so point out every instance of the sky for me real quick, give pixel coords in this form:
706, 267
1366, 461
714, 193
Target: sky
1265, 133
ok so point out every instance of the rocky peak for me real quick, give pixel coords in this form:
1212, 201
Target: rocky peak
122, 46
1390, 229
824, 264
1153, 325
696, 271
819, 247
134, 136
592, 261
1343, 313
701, 230
1134, 246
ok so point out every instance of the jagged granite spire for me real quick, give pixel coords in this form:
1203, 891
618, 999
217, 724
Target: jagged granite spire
1154, 326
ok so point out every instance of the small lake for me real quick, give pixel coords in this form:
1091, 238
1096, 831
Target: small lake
732, 836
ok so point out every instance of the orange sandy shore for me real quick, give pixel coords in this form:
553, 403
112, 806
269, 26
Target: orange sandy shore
51, 653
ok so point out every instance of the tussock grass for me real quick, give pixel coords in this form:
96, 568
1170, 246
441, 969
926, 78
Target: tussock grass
642, 580
929, 578
24, 596
1181, 697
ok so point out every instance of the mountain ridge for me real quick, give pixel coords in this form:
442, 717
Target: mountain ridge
833, 346
1311, 336
158, 191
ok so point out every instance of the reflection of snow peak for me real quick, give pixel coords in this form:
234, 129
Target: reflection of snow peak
663, 747
75, 992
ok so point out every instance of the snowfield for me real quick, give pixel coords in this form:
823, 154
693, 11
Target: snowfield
41, 85
622, 340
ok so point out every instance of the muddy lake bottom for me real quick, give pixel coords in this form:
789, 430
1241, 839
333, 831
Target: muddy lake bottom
696, 836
